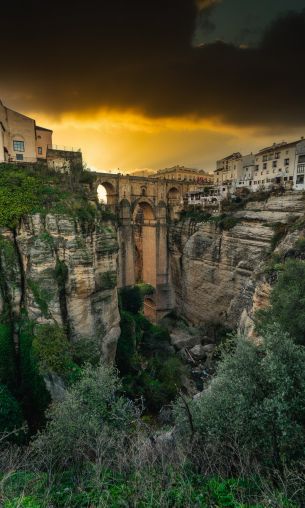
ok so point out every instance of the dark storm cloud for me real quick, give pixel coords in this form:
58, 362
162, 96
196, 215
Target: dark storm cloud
138, 55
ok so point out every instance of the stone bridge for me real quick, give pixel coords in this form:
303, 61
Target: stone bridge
144, 207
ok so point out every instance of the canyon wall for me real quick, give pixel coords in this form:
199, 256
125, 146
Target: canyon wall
63, 270
217, 275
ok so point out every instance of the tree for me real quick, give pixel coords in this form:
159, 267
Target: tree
92, 420
10, 411
287, 302
131, 299
255, 406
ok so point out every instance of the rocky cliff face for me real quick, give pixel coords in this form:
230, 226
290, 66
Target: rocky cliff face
217, 274
64, 271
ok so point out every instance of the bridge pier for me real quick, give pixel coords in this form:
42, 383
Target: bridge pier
144, 207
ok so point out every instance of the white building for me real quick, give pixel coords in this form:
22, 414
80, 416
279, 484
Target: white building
205, 197
282, 164
275, 165
298, 180
228, 169
234, 171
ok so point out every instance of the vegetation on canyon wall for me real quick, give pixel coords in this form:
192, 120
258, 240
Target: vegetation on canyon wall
150, 370
37, 190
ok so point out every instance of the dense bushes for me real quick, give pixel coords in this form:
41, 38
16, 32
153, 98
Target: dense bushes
224, 221
131, 299
34, 396
254, 408
7, 356
25, 190
287, 302
146, 361
10, 411
92, 419
52, 350
152, 487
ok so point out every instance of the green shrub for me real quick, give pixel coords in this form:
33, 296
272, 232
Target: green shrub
8, 374
254, 408
126, 346
300, 244
287, 302
41, 296
19, 194
33, 393
109, 280
225, 222
52, 349
280, 230
93, 416
10, 411
86, 350
131, 299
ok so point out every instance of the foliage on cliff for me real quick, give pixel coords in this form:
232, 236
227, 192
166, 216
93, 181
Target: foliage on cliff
145, 359
254, 408
30, 190
223, 221
287, 302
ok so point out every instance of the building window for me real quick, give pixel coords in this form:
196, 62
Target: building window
301, 158
291, 178
19, 157
274, 164
277, 155
300, 179
39, 150
286, 162
265, 165
265, 158
18, 146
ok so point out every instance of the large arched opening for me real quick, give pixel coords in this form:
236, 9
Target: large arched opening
106, 193
173, 196
144, 220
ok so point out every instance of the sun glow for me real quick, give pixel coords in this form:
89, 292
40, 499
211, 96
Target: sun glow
125, 141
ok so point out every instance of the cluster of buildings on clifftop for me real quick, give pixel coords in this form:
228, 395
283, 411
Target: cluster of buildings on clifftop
279, 164
22, 141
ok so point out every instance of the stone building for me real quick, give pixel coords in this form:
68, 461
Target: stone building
17, 136
22, 141
43, 142
181, 173
228, 169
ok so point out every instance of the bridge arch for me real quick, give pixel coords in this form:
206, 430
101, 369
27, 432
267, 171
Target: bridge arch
106, 192
147, 205
173, 194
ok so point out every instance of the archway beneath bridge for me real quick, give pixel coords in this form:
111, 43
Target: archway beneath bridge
173, 196
106, 193
144, 219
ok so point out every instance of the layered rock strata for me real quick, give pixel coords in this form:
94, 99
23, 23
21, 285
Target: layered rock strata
61, 270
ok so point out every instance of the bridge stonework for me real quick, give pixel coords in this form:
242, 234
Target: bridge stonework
144, 207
